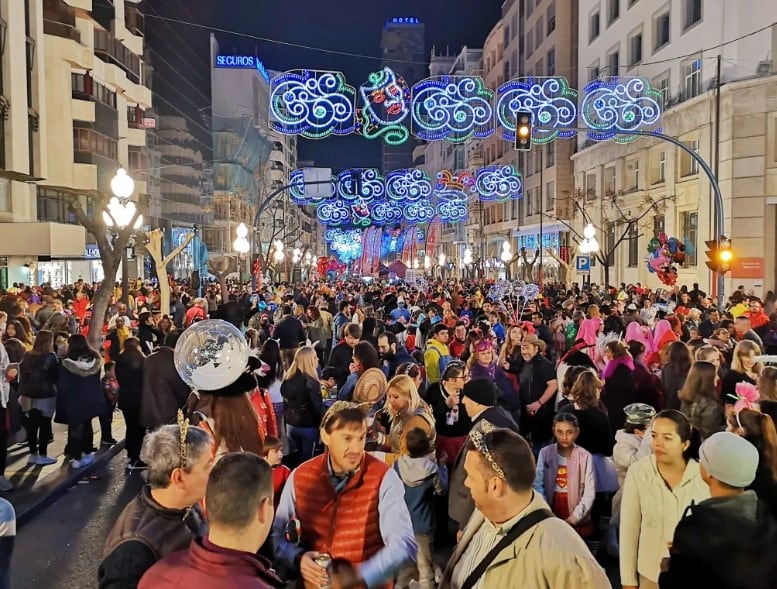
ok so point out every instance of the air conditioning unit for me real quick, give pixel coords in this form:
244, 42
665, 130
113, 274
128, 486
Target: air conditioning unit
764, 67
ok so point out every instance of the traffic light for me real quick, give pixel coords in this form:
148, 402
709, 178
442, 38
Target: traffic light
356, 182
523, 129
719, 254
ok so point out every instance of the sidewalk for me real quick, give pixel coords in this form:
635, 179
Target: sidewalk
36, 487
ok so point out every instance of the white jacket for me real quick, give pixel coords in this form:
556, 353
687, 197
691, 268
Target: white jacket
624, 453
649, 514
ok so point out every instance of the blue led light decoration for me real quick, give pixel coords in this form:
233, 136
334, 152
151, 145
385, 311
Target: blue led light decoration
620, 105
384, 103
334, 213
346, 244
451, 211
386, 213
297, 189
552, 102
454, 187
453, 108
499, 183
372, 186
408, 185
420, 212
312, 104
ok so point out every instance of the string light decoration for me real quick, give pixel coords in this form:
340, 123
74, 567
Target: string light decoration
620, 105
499, 183
408, 185
386, 213
419, 212
346, 244
551, 100
453, 108
384, 103
372, 186
451, 211
333, 213
312, 104
454, 187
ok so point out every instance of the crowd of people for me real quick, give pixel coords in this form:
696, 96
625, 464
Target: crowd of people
377, 423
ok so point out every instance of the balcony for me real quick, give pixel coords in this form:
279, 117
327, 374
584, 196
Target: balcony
88, 143
134, 20
59, 20
113, 51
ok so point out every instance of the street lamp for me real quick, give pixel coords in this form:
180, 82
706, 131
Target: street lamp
466, 258
241, 246
118, 215
589, 245
427, 263
279, 255
441, 262
506, 256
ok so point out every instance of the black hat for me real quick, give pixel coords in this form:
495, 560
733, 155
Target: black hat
245, 383
482, 391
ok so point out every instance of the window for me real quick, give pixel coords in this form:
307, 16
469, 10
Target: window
633, 237
688, 165
609, 181
632, 170
689, 223
538, 162
529, 41
539, 33
551, 17
613, 11
593, 26
635, 49
692, 78
662, 167
662, 85
593, 71
550, 196
661, 30
92, 142
658, 225
5, 196
609, 244
613, 62
550, 159
590, 187
692, 9
550, 59
530, 202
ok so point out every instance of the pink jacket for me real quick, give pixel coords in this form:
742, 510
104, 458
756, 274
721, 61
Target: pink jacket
581, 484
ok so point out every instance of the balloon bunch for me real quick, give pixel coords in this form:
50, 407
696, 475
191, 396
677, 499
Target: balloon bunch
663, 253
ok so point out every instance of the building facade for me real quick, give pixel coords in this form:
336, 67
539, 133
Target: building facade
403, 49
637, 190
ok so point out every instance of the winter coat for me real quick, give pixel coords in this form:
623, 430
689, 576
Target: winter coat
206, 565
624, 454
130, 379
726, 543
79, 391
705, 415
38, 375
302, 403
422, 478
595, 435
581, 485
163, 390
649, 513
619, 390
289, 333
340, 359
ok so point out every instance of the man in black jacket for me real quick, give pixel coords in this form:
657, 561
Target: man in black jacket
392, 354
164, 393
727, 541
290, 335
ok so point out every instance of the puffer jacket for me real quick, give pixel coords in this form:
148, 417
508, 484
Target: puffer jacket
302, 403
80, 393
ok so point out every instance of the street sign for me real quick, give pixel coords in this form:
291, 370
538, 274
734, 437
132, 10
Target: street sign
583, 264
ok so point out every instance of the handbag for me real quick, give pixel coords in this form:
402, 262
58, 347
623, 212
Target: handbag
516, 532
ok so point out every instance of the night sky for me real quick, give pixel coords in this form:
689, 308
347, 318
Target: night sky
352, 26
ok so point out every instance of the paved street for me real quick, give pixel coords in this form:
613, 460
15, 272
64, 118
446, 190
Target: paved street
62, 546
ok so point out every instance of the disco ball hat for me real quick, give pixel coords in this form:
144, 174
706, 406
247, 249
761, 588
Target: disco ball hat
211, 355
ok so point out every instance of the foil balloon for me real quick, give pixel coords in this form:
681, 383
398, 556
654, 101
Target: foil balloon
210, 355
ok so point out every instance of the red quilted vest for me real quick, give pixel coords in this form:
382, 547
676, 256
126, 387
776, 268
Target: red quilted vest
346, 525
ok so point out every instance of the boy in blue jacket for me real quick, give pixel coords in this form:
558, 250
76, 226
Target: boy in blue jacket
423, 479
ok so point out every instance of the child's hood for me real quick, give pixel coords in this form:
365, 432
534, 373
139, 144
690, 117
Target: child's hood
415, 471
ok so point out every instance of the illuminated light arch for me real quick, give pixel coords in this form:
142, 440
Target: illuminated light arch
552, 102
334, 213
453, 108
420, 212
620, 105
312, 104
386, 213
452, 211
454, 187
384, 105
372, 185
408, 185
499, 183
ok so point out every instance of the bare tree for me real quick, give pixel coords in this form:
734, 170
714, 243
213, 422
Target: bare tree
527, 268
221, 267
154, 249
564, 267
110, 249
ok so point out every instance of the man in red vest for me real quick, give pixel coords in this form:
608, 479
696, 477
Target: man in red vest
347, 504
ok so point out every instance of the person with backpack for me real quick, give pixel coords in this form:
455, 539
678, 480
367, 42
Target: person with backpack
436, 354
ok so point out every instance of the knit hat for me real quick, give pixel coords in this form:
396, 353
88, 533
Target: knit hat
482, 391
639, 413
730, 459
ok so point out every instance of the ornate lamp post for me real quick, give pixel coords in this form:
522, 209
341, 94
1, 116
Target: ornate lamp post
241, 246
117, 216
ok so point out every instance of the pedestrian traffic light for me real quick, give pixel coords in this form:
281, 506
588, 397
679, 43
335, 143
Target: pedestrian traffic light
719, 254
523, 130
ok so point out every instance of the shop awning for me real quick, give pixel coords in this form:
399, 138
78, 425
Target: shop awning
56, 240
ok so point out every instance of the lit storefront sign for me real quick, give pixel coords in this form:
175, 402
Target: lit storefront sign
248, 62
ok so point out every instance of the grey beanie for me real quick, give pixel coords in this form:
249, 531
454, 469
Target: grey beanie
730, 459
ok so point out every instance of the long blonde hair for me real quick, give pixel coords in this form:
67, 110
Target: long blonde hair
406, 388
305, 362
743, 348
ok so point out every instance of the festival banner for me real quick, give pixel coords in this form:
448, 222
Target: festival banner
431, 240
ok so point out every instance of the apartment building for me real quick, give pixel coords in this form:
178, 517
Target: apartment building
676, 46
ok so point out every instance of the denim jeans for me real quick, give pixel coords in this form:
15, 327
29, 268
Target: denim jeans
302, 442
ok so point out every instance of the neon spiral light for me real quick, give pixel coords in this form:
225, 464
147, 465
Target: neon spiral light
499, 183
312, 104
419, 212
386, 213
347, 244
551, 100
333, 213
297, 190
629, 104
408, 185
384, 103
454, 108
454, 187
452, 211
372, 185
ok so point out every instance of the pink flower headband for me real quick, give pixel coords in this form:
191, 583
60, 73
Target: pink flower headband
746, 398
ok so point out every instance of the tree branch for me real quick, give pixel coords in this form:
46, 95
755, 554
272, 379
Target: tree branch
182, 246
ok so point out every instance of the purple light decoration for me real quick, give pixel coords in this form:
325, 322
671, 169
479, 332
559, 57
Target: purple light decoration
453, 108
452, 211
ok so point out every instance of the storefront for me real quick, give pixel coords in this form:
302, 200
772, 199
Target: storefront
64, 271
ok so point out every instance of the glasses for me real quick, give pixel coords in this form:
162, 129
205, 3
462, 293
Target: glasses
478, 439
183, 425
